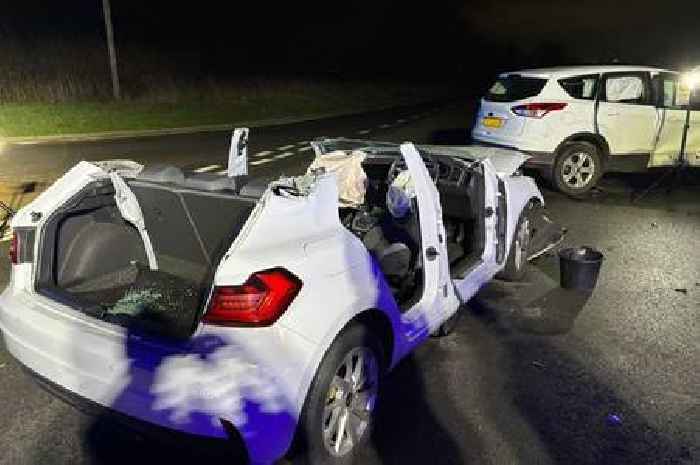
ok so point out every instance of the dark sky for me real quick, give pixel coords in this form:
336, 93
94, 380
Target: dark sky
439, 38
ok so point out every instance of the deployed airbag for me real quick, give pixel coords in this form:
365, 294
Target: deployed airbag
351, 177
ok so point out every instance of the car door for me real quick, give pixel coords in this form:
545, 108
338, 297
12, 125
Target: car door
626, 116
438, 300
671, 105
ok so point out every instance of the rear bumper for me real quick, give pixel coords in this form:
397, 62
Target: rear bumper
249, 379
232, 447
537, 159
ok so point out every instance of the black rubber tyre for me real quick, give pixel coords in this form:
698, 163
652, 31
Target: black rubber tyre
516, 263
311, 448
577, 168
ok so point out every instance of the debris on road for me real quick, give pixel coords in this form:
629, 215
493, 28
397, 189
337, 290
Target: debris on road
682, 290
614, 419
538, 364
654, 225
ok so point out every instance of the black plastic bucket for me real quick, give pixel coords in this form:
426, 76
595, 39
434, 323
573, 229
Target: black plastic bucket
579, 267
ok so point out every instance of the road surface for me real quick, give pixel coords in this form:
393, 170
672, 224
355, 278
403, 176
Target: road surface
532, 375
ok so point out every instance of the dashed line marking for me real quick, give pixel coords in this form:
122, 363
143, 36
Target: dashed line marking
205, 169
261, 162
384, 126
304, 149
302, 143
285, 147
222, 172
400, 121
364, 131
283, 155
264, 153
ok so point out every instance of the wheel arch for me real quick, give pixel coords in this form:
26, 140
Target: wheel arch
592, 138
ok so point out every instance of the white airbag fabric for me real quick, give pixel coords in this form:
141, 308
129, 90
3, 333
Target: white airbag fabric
351, 177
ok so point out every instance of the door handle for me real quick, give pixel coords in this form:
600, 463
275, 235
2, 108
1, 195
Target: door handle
431, 253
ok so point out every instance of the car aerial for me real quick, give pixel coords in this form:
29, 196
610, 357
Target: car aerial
259, 312
580, 122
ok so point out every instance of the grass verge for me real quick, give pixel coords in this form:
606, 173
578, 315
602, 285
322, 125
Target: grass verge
47, 119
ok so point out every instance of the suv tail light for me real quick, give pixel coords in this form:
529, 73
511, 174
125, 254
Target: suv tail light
260, 301
537, 110
13, 252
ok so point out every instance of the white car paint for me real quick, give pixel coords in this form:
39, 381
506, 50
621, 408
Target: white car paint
650, 129
255, 378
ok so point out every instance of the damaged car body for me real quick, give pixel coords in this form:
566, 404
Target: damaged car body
221, 306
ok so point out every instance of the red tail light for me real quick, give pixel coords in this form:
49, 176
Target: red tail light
537, 110
260, 301
14, 248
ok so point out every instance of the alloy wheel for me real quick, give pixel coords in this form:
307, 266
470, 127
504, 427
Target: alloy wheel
578, 169
350, 401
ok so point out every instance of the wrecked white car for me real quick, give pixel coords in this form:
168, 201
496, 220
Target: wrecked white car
257, 313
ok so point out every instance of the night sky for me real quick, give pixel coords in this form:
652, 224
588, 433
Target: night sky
439, 39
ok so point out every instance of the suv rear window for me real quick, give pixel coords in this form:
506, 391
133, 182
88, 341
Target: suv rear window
580, 87
515, 87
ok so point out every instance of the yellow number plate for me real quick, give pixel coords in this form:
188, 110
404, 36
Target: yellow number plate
492, 122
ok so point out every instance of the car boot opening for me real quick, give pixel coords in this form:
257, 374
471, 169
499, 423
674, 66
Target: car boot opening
95, 261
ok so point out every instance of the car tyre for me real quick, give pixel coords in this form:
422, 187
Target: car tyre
516, 263
338, 404
577, 168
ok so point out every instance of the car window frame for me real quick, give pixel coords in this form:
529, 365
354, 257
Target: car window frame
596, 85
649, 94
658, 81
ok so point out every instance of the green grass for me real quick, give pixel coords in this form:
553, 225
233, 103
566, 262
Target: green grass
47, 119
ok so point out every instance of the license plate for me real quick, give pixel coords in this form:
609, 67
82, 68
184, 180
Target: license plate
492, 122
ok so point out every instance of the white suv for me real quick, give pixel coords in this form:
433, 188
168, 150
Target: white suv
579, 122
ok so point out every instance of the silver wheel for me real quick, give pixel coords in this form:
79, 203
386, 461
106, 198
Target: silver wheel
522, 243
578, 170
350, 401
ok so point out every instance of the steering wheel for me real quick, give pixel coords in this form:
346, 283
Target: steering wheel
399, 165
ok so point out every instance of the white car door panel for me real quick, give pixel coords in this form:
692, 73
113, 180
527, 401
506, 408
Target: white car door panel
626, 117
673, 118
439, 299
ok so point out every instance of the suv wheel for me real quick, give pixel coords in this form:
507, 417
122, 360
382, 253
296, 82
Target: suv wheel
577, 169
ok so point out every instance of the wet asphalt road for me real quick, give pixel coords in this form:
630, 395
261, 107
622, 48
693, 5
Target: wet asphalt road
532, 375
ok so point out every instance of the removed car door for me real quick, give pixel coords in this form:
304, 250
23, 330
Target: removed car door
671, 107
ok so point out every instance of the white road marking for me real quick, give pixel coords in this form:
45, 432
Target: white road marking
364, 131
261, 162
302, 143
222, 172
264, 153
384, 126
283, 155
204, 169
7, 236
285, 147
400, 121
304, 149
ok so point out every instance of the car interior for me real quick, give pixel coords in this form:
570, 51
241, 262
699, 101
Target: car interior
394, 239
